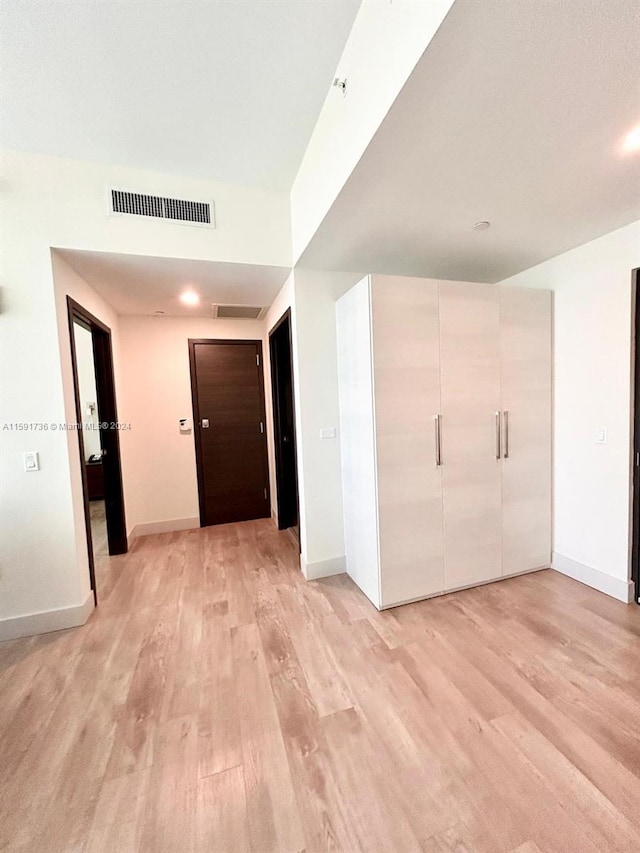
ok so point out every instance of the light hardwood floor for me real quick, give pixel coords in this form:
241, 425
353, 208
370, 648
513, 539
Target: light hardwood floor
217, 702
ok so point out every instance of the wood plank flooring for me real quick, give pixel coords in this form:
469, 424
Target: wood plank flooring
217, 702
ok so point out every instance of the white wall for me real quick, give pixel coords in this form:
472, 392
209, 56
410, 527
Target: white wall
87, 389
44, 574
592, 365
386, 41
65, 202
50, 202
322, 528
358, 439
158, 461
155, 392
66, 282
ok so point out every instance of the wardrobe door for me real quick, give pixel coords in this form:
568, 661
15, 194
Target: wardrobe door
525, 344
407, 401
470, 383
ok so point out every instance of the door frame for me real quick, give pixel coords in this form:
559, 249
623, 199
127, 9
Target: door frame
193, 342
635, 456
285, 318
109, 438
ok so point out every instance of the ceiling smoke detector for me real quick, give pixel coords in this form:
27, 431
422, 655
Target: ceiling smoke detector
482, 225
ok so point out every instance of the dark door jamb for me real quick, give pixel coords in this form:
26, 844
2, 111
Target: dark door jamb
635, 550
109, 437
277, 428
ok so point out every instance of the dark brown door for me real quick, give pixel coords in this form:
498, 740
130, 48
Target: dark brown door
229, 425
635, 543
284, 423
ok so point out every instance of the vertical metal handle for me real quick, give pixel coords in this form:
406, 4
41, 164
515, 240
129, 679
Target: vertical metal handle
505, 416
437, 421
497, 435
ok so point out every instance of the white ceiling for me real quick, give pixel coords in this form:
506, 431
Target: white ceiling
228, 89
516, 114
137, 284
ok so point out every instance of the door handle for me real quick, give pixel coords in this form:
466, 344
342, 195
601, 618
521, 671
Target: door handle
505, 416
438, 427
498, 435
285, 439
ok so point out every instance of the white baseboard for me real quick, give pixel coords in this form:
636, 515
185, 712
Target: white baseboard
168, 526
323, 568
616, 588
47, 621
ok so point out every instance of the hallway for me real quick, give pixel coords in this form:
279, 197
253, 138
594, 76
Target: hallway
217, 702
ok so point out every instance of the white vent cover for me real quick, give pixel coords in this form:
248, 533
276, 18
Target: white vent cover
125, 202
237, 312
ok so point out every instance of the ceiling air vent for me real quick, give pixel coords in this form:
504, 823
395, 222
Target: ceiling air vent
159, 207
237, 312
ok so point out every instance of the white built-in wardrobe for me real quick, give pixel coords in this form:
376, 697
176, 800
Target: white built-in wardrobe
445, 417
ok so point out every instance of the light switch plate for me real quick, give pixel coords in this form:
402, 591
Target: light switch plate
31, 461
601, 436
328, 432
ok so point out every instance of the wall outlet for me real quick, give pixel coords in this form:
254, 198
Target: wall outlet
328, 432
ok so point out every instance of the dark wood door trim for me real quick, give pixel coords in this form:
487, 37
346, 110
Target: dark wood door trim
193, 342
635, 467
109, 437
281, 471
286, 316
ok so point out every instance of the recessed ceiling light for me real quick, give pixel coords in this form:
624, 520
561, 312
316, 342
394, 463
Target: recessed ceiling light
482, 225
632, 140
189, 297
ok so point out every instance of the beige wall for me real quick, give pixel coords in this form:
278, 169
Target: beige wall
52, 202
158, 461
592, 377
311, 296
153, 392
322, 527
386, 41
67, 283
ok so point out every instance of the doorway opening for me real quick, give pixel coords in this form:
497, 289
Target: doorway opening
98, 436
227, 389
284, 428
635, 535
